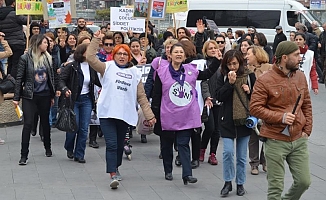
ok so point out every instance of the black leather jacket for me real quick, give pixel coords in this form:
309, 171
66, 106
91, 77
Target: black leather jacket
72, 78
24, 87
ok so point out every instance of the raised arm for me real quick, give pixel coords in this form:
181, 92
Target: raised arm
7, 50
91, 58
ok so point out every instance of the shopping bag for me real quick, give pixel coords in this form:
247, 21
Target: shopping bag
142, 127
19, 112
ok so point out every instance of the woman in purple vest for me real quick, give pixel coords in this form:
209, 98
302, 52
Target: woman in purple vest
175, 105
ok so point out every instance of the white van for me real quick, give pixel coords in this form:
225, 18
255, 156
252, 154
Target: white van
264, 15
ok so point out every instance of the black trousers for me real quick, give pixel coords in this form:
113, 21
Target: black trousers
17, 51
93, 130
40, 104
183, 138
211, 132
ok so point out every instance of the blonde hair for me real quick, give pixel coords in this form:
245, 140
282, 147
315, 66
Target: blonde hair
170, 42
206, 44
40, 58
260, 53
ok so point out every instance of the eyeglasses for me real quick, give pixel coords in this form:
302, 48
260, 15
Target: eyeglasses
220, 42
108, 44
297, 29
122, 54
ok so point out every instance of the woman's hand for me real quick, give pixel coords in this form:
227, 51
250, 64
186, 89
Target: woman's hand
315, 91
58, 93
68, 93
200, 26
98, 34
232, 76
142, 61
219, 55
151, 122
208, 102
246, 88
15, 103
52, 102
62, 42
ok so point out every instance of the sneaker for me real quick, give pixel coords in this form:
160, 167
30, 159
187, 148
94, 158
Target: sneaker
254, 170
212, 159
2, 141
118, 175
94, 144
23, 161
114, 183
48, 152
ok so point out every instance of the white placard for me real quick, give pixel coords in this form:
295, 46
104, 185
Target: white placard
121, 19
182, 16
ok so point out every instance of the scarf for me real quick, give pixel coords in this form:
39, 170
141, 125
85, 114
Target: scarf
122, 66
240, 113
179, 75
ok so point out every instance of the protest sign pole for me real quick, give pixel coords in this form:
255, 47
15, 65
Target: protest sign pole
174, 22
146, 23
27, 32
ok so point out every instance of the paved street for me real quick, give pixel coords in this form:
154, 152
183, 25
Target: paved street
58, 178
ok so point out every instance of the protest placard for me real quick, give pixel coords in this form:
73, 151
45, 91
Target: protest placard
141, 8
121, 19
174, 6
158, 9
28, 7
211, 24
144, 71
59, 13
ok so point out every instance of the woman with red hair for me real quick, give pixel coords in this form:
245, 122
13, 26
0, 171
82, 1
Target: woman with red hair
121, 88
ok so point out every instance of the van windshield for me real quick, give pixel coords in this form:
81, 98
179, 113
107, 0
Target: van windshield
309, 14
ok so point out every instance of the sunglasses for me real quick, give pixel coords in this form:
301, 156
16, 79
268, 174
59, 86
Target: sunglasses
297, 29
220, 42
108, 44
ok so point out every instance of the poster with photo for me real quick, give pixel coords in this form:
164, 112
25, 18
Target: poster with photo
158, 9
141, 8
59, 13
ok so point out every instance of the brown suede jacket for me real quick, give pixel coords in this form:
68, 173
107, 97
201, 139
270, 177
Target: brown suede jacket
273, 95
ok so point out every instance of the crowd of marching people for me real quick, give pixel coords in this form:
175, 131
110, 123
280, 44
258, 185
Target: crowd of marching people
201, 88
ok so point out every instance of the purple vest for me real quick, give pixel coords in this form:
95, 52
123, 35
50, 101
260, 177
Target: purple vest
179, 105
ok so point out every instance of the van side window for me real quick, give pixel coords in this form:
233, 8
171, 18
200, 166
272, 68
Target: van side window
257, 18
292, 17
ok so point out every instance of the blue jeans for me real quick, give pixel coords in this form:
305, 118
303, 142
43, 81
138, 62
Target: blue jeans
228, 159
83, 109
54, 111
114, 131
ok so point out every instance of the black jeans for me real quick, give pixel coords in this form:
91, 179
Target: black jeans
93, 129
211, 131
183, 138
40, 104
17, 51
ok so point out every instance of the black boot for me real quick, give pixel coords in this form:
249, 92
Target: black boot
226, 188
177, 161
194, 164
189, 179
240, 190
143, 138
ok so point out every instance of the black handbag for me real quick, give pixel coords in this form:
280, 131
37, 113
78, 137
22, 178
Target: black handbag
7, 83
66, 120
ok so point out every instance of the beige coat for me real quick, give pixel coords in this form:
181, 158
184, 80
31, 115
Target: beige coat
260, 69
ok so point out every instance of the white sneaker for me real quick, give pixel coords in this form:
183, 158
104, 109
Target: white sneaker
114, 183
118, 175
2, 141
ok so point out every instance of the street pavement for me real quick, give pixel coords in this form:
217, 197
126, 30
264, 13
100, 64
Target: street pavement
58, 178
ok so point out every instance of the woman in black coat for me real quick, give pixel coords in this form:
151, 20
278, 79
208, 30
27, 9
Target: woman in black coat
77, 81
234, 88
36, 86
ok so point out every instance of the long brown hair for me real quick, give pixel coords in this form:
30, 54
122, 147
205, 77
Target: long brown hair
228, 56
